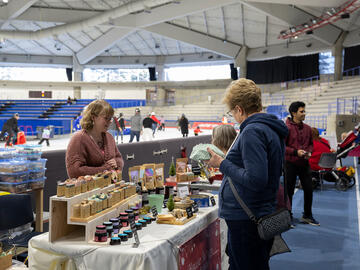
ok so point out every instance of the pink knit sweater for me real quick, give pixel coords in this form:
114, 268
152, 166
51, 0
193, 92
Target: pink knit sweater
85, 157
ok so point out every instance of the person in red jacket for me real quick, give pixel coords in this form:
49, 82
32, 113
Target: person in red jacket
320, 146
299, 145
154, 125
197, 130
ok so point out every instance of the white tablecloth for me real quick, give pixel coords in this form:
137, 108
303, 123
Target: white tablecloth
158, 249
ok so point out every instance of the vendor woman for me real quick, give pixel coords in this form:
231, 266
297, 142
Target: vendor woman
92, 149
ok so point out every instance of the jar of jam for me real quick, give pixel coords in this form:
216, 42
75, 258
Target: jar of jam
60, 191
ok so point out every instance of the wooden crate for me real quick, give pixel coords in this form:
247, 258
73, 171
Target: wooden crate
63, 227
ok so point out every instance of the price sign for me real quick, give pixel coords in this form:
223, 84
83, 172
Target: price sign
189, 212
195, 207
212, 199
133, 228
182, 191
154, 211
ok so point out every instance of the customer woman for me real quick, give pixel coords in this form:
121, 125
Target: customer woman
92, 149
254, 165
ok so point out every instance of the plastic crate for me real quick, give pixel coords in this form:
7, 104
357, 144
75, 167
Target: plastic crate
36, 174
7, 153
37, 164
13, 187
13, 166
29, 156
17, 177
36, 183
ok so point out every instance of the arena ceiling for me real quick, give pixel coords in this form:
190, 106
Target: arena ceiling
138, 33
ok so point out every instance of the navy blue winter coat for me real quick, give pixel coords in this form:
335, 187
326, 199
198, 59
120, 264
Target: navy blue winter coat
254, 164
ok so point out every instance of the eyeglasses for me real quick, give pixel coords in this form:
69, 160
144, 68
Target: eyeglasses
229, 113
108, 119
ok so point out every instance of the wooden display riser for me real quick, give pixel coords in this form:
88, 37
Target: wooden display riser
61, 224
177, 222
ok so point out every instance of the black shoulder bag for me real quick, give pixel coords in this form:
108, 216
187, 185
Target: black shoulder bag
268, 226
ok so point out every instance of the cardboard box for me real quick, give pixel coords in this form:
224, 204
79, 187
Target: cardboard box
5, 262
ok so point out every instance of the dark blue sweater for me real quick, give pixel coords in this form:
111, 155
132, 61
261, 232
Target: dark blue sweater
254, 164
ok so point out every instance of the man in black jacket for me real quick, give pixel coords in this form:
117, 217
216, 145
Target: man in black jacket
10, 127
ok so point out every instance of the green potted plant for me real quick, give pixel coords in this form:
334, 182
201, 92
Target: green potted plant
170, 203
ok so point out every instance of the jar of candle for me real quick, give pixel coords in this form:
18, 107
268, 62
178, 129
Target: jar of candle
143, 222
115, 241
70, 190
129, 233
138, 226
123, 237
136, 212
148, 220
100, 237
115, 223
109, 228
101, 229
129, 211
124, 219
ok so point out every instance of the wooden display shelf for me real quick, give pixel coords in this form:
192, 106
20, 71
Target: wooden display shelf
61, 223
115, 206
177, 222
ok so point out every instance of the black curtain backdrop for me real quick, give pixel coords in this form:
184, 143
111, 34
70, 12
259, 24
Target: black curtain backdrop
352, 59
234, 72
152, 74
283, 69
69, 74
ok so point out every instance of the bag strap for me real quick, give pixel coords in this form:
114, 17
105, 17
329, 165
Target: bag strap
241, 202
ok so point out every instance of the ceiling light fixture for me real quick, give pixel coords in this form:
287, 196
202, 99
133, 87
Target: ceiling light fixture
330, 15
5, 1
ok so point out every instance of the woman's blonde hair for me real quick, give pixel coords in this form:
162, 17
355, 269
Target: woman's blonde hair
95, 108
244, 93
223, 136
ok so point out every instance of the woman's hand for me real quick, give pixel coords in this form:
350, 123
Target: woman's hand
215, 159
112, 163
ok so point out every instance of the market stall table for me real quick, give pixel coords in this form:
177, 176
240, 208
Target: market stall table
162, 246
